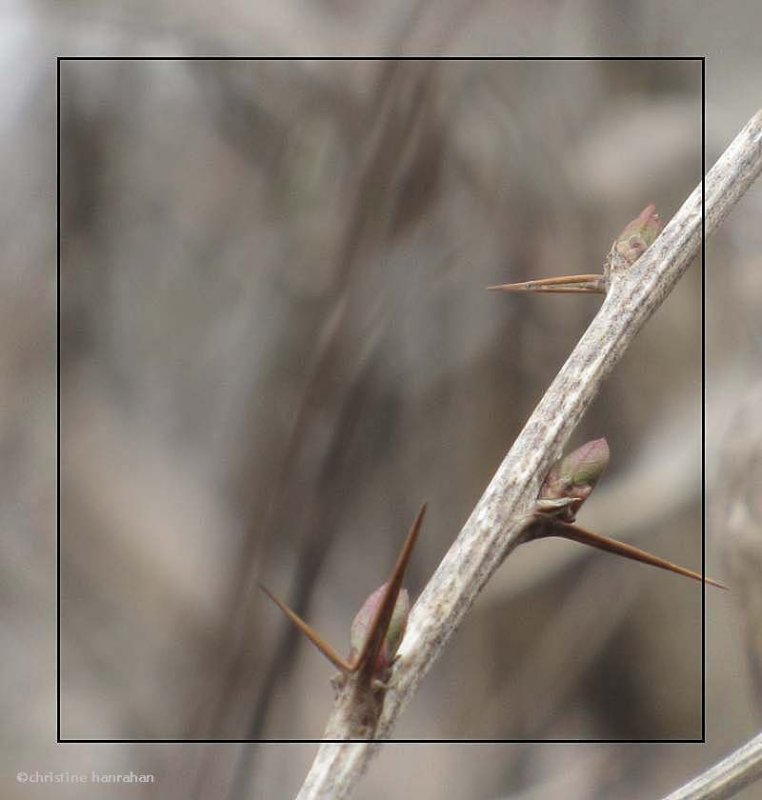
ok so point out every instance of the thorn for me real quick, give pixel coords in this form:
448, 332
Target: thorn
367, 658
377, 631
577, 534
316, 639
564, 284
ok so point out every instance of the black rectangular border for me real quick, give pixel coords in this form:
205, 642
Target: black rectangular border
59, 59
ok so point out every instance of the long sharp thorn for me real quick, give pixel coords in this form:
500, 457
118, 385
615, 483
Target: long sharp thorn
564, 284
366, 660
577, 534
317, 640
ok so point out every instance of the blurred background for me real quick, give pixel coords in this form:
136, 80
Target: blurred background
275, 343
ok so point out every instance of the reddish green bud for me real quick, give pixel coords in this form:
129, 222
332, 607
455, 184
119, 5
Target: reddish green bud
638, 235
574, 477
582, 468
396, 630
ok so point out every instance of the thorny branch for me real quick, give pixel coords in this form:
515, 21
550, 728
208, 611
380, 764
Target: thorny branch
500, 517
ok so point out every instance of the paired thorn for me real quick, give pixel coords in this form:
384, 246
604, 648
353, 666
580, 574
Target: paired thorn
564, 284
383, 631
556, 527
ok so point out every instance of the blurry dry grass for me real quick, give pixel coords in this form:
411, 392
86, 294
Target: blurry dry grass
276, 343
738, 518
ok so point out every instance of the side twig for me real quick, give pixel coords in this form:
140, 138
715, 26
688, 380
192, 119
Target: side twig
726, 779
500, 517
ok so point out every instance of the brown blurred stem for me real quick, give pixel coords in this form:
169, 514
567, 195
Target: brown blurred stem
499, 520
737, 524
